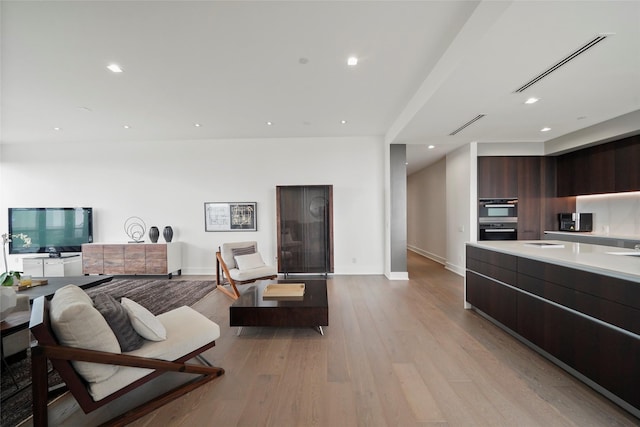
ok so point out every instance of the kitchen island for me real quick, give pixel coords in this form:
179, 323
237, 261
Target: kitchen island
577, 304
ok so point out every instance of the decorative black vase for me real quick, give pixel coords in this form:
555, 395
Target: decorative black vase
167, 233
154, 233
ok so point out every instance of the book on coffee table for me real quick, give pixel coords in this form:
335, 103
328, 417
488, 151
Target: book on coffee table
284, 291
34, 283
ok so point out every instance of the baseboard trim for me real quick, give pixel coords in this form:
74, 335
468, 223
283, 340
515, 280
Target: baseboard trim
398, 275
426, 254
455, 269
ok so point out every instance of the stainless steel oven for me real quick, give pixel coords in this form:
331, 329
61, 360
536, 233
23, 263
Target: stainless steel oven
498, 219
498, 231
504, 210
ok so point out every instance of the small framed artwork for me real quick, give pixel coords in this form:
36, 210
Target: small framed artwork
230, 216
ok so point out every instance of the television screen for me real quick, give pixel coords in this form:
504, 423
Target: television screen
49, 230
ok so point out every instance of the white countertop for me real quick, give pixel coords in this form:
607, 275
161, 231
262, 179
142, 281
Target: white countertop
598, 235
583, 256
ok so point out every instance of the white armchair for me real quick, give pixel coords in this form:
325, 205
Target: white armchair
239, 263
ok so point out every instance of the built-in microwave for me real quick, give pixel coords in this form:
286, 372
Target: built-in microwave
498, 210
498, 231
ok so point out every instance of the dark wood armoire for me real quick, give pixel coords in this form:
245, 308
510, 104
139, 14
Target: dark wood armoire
305, 229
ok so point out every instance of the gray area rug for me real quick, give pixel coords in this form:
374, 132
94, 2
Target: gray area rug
157, 295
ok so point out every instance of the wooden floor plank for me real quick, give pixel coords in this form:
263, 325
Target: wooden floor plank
395, 353
424, 406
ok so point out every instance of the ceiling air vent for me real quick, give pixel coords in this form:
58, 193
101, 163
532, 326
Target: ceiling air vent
560, 63
470, 122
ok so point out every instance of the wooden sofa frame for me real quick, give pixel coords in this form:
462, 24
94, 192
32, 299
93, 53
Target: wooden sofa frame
224, 278
61, 356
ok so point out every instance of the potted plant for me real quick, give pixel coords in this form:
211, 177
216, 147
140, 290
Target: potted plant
8, 296
10, 278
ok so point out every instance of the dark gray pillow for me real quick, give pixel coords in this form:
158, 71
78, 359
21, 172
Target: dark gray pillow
247, 250
118, 320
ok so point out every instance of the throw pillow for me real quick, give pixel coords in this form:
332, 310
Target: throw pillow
143, 321
77, 323
118, 320
247, 262
242, 251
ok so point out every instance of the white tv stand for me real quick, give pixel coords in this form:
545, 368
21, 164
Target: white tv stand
45, 266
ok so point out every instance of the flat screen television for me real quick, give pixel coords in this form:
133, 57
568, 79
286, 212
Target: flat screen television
49, 230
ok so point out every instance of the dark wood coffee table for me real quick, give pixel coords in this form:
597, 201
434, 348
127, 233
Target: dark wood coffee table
311, 311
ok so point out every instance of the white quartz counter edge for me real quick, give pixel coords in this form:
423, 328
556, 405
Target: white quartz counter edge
596, 235
582, 256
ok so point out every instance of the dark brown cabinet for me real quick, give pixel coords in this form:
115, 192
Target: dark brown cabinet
587, 171
486, 271
606, 168
497, 177
305, 228
627, 164
518, 177
529, 198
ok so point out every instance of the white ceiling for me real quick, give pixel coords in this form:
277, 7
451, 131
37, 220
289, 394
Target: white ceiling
425, 68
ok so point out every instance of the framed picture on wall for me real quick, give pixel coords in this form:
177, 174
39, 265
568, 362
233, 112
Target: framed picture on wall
230, 216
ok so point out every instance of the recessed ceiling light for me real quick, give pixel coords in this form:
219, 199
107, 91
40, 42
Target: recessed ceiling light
545, 129
303, 61
115, 68
57, 128
126, 126
352, 61
269, 123
344, 122
197, 125
532, 100
431, 147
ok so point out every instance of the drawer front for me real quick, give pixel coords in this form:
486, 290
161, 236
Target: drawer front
92, 259
156, 259
114, 259
156, 251
134, 262
608, 288
505, 261
499, 273
492, 298
620, 315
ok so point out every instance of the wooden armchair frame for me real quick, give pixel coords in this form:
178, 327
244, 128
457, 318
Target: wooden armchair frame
223, 278
61, 357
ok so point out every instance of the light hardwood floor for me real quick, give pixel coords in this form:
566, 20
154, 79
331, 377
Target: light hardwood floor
395, 353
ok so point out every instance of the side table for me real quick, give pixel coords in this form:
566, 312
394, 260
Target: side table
15, 322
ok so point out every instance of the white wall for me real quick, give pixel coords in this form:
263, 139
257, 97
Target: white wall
616, 128
167, 183
461, 185
427, 211
510, 149
613, 214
